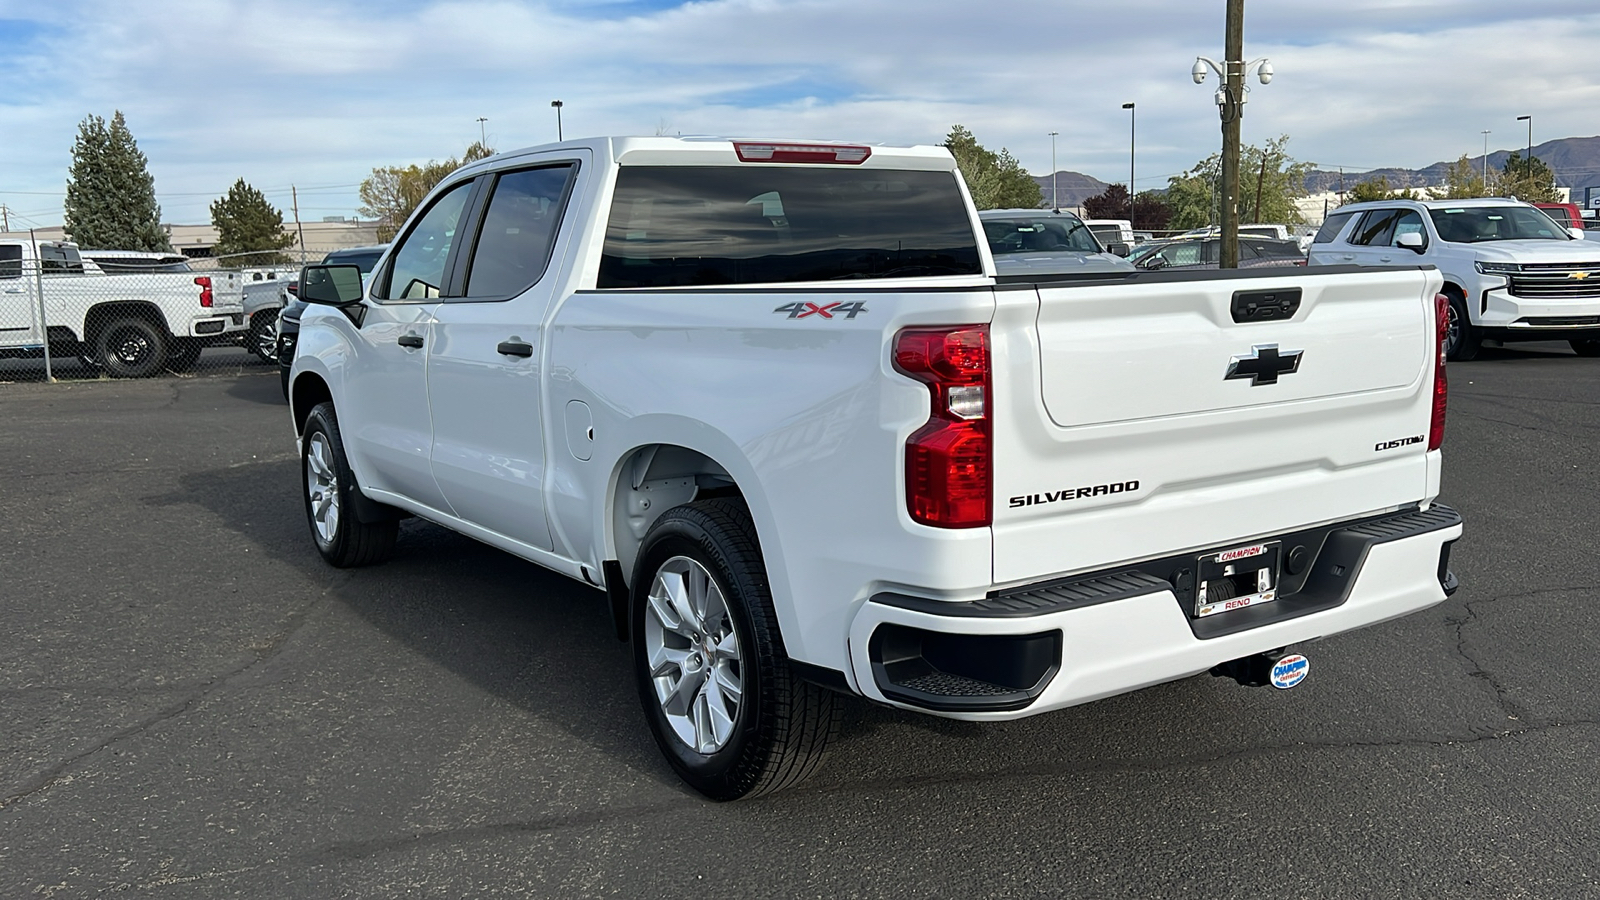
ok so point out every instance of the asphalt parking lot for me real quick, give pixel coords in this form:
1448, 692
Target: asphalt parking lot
196, 706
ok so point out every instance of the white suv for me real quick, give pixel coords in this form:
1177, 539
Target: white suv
1511, 272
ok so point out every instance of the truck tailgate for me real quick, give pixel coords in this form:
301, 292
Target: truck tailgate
1120, 435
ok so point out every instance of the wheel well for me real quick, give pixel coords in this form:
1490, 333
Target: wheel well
103, 314
653, 479
306, 392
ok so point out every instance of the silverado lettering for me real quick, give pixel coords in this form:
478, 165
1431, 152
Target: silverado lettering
1097, 490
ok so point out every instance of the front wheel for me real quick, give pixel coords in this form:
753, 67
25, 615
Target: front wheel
1464, 339
131, 348
1588, 347
330, 488
723, 703
262, 338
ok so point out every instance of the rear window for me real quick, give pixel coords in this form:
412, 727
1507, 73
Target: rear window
687, 226
1331, 226
366, 260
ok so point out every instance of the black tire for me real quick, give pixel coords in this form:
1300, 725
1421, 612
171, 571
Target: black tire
1586, 347
1465, 339
783, 724
131, 348
262, 337
185, 353
345, 541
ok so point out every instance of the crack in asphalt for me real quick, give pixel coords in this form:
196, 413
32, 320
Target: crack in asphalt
58, 773
1512, 709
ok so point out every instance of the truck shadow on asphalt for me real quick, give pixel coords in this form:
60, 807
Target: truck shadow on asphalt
545, 644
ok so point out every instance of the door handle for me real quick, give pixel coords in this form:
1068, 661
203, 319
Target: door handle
516, 348
1349, 256
413, 341
13, 290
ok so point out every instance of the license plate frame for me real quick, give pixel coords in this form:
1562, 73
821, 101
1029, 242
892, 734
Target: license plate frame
1221, 578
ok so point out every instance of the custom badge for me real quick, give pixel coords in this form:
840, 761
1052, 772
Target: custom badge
1290, 671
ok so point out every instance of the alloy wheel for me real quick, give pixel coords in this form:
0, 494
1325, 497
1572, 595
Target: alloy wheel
322, 486
694, 655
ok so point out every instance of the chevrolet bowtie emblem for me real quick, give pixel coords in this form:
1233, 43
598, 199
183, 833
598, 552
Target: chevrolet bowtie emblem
1264, 364
1578, 276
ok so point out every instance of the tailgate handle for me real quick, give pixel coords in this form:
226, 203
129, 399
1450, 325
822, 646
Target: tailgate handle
1265, 306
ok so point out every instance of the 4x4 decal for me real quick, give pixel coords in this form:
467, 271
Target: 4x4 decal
827, 310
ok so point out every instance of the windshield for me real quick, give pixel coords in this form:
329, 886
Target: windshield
1475, 224
365, 260
1040, 235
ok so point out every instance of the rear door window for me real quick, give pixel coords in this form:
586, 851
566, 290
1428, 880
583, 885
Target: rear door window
518, 231
1375, 228
684, 226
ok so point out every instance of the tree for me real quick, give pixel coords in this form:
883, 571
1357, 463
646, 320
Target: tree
247, 224
1462, 181
111, 196
1527, 179
1378, 189
996, 180
1151, 212
1111, 203
1269, 182
389, 194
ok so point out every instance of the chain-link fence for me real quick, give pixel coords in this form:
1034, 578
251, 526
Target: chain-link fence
66, 315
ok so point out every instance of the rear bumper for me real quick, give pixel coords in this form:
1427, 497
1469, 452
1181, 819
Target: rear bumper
1046, 647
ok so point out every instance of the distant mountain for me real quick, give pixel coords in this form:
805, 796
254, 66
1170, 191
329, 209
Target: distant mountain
1072, 188
1576, 162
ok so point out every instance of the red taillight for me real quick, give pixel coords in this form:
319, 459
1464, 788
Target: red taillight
1441, 391
948, 463
206, 296
836, 154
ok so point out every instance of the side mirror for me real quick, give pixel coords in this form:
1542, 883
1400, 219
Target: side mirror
1577, 233
331, 285
1411, 241
1153, 263
1118, 248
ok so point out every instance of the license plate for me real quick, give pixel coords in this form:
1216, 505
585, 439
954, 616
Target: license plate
1237, 578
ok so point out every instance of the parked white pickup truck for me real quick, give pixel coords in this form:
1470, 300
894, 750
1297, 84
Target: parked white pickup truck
774, 399
131, 325
1511, 272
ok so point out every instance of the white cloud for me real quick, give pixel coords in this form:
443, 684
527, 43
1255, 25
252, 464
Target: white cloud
317, 93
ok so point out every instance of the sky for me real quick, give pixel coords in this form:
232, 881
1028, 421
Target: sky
313, 94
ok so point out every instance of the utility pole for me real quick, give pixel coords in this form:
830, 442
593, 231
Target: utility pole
300, 230
1260, 179
5, 218
1233, 61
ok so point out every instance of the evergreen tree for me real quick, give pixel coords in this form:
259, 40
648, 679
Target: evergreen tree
996, 180
111, 196
1111, 203
247, 224
390, 193
1378, 189
1527, 179
1462, 181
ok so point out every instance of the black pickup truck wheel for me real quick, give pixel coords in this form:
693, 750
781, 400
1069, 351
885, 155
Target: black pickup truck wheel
131, 348
723, 704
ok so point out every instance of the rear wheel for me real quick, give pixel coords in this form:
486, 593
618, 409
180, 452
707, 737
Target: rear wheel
131, 348
330, 488
1464, 339
1587, 347
723, 704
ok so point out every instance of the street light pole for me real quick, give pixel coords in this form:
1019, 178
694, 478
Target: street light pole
1486, 134
1529, 120
1131, 121
483, 136
558, 104
1055, 198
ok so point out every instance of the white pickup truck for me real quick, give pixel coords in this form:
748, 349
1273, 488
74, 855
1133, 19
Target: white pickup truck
775, 401
130, 325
